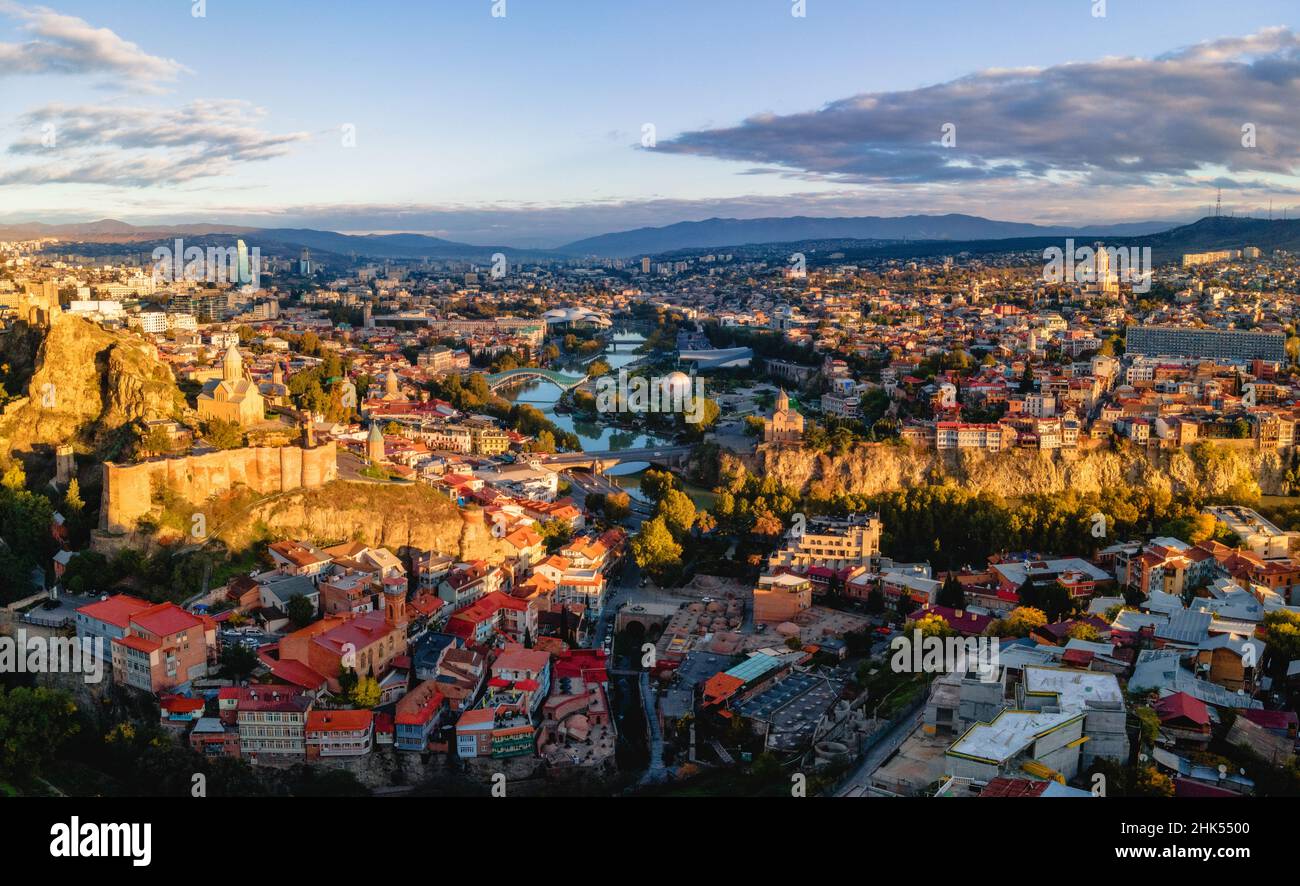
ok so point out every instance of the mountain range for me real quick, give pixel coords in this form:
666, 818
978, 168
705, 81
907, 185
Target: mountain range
862, 236
722, 232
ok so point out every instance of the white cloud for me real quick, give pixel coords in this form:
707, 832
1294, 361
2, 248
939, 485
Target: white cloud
65, 44
142, 147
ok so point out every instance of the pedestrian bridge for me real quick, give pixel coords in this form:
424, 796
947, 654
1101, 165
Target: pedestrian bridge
498, 380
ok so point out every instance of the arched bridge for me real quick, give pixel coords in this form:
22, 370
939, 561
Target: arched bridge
664, 456
498, 380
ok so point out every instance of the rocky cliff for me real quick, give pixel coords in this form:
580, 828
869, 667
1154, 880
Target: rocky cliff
397, 517
85, 381
1203, 470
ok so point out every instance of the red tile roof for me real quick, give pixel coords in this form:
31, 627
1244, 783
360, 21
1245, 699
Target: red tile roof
116, 610
165, 619
1180, 704
339, 721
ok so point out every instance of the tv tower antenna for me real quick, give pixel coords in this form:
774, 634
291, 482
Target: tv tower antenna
1218, 204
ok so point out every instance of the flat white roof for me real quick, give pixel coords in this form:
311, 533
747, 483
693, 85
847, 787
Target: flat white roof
1074, 688
1009, 734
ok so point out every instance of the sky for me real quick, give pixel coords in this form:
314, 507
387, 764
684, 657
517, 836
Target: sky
561, 119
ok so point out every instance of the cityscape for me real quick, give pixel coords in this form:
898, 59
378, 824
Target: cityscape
913, 426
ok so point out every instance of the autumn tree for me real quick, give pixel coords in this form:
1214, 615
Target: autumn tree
1019, 622
366, 694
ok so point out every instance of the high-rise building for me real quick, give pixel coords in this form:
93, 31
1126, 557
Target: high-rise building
245, 271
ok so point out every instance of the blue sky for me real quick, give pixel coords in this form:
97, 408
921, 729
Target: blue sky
526, 129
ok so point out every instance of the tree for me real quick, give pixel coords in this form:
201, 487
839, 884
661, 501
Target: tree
157, 442
931, 625
72, 502
1148, 724
617, 506
366, 694
1147, 781
555, 533
677, 511
705, 522
1282, 633
767, 524
35, 722
951, 594
15, 478
1083, 631
1052, 599
223, 434
1019, 622
300, 610
655, 484
348, 680
654, 547
238, 661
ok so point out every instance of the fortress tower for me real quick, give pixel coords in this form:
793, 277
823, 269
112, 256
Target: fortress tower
375, 445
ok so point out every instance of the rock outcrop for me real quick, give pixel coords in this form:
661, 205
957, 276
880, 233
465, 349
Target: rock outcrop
86, 381
399, 517
1204, 470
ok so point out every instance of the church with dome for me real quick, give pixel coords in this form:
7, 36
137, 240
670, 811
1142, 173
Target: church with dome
785, 425
235, 397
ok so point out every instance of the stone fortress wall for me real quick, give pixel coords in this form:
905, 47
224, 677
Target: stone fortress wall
128, 489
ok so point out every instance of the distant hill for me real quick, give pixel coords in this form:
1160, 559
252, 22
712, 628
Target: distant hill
857, 238
1205, 235
1214, 233
393, 245
111, 231
723, 232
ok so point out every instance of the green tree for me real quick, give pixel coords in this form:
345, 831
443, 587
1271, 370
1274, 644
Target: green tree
654, 547
677, 511
223, 434
300, 610
1282, 634
157, 442
655, 484
951, 594
34, 723
555, 533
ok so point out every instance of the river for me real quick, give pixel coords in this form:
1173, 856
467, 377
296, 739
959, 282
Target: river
596, 436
